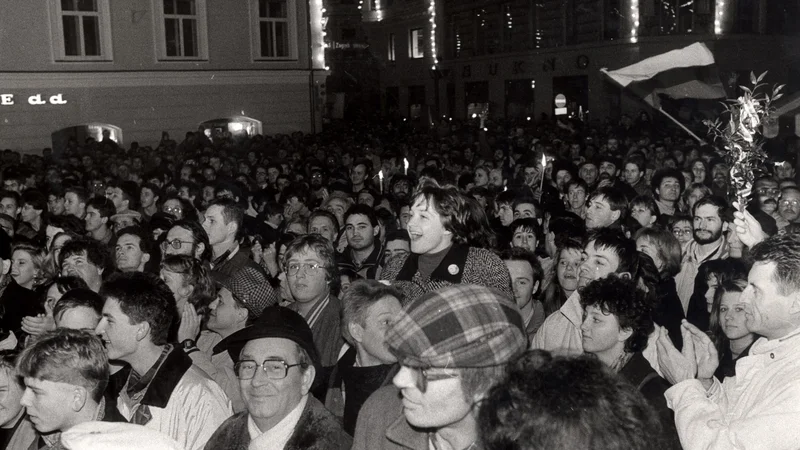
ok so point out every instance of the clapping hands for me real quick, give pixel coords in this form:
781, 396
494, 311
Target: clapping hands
698, 358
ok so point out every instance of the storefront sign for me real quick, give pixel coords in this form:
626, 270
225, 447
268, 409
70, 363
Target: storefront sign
34, 100
349, 46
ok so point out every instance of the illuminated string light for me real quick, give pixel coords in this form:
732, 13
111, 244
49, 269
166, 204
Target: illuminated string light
432, 20
319, 22
634, 18
719, 16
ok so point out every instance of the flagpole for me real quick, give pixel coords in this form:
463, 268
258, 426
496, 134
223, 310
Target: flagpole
681, 125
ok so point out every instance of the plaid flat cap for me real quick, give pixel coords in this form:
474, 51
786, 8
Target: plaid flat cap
252, 288
461, 326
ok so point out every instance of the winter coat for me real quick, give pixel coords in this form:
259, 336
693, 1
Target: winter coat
759, 408
461, 265
184, 402
317, 429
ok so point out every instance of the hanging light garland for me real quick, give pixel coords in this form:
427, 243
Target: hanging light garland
432, 20
319, 22
634, 19
719, 16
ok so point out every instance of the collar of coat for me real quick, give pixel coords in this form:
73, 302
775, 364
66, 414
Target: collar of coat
456, 256
316, 430
167, 378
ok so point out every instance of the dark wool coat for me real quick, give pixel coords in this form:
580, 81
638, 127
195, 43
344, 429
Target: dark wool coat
317, 429
461, 265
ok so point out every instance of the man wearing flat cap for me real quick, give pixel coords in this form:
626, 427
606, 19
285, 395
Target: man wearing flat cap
276, 363
453, 345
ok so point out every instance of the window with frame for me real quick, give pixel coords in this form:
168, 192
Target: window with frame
182, 29
275, 29
416, 44
391, 54
82, 30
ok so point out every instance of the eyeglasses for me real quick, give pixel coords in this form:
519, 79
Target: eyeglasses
424, 376
175, 243
767, 191
276, 369
681, 232
293, 269
173, 210
792, 203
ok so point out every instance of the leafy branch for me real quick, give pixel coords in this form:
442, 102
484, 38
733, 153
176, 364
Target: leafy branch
738, 131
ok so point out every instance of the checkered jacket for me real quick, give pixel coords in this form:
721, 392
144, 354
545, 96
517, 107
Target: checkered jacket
461, 265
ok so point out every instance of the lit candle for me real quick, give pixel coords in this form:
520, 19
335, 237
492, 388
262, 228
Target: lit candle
380, 178
544, 164
405, 164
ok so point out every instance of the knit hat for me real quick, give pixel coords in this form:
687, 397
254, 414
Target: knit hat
461, 326
251, 287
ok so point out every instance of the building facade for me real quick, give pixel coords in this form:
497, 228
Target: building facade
141, 67
524, 58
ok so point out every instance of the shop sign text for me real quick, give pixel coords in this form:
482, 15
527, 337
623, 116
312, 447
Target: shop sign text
34, 100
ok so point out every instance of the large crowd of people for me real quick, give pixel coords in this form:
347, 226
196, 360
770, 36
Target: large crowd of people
476, 285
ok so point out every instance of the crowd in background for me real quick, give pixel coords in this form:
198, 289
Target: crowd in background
474, 285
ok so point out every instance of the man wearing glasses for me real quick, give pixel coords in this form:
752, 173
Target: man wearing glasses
276, 363
789, 205
453, 345
187, 237
311, 271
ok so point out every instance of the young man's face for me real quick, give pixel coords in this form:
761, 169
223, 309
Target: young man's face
522, 281
505, 213
599, 213
708, 226
9, 206
441, 404
372, 335
669, 189
598, 262
49, 404
117, 331
524, 211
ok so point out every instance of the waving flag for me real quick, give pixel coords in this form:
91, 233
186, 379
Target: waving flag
689, 72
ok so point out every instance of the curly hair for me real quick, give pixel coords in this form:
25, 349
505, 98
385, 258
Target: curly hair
561, 403
630, 305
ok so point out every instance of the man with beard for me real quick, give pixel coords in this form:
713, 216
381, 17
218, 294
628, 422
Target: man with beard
711, 217
610, 168
765, 206
401, 187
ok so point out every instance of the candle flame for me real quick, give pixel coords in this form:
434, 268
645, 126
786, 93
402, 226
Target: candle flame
380, 174
544, 160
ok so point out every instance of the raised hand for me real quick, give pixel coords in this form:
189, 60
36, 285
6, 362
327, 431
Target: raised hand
190, 324
747, 227
676, 366
705, 353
